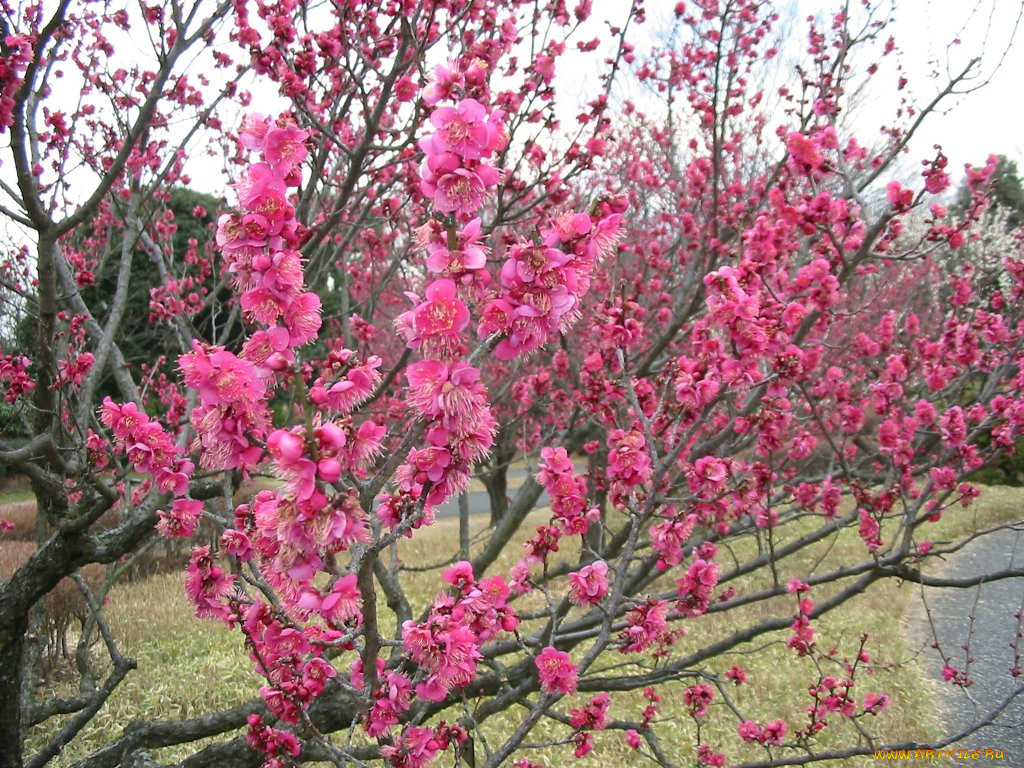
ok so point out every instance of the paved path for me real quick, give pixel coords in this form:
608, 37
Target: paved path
480, 502
993, 606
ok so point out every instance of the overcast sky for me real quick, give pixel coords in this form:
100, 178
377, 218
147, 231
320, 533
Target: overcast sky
991, 119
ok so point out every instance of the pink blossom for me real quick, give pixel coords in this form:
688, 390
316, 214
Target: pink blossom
589, 584
875, 703
285, 148
737, 674
870, 531
463, 130
647, 624
668, 537
749, 730
302, 318
181, 521
804, 150
773, 733
707, 756
629, 464
413, 749
253, 131
237, 544
459, 575
709, 474
452, 394
899, 197
592, 717
698, 698
440, 319
696, 586
206, 585
454, 187
265, 193
446, 650
343, 602
556, 670
344, 391
796, 586
272, 742
443, 85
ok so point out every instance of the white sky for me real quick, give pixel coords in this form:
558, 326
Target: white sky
989, 120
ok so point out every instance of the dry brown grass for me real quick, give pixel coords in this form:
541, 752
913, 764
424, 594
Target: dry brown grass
65, 605
22, 517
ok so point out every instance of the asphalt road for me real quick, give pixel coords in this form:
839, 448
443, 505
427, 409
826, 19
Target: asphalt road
479, 501
993, 606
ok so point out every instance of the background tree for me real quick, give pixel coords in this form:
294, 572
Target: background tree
1006, 193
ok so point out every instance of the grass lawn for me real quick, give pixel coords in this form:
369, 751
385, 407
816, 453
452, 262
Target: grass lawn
188, 667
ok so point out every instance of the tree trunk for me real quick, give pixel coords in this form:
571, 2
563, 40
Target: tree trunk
496, 479
13, 626
496, 483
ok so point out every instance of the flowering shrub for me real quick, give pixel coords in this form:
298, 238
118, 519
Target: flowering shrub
713, 349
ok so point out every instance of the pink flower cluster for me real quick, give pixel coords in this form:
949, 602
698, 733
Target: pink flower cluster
461, 258
870, 531
339, 448
406, 505
182, 519
416, 746
344, 380
14, 375
590, 584
148, 446
668, 537
543, 283
259, 244
294, 538
207, 586
232, 411
445, 390
435, 325
696, 586
19, 53
460, 428
592, 717
537, 548
771, 734
647, 624
455, 173
698, 699
807, 151
275, 744
629, 464
831, 694
232, 417
802, 639
568, 493
556, 670
708, 477
292, 659
447, 645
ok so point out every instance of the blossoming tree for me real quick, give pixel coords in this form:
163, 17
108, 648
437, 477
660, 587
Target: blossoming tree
696, 333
